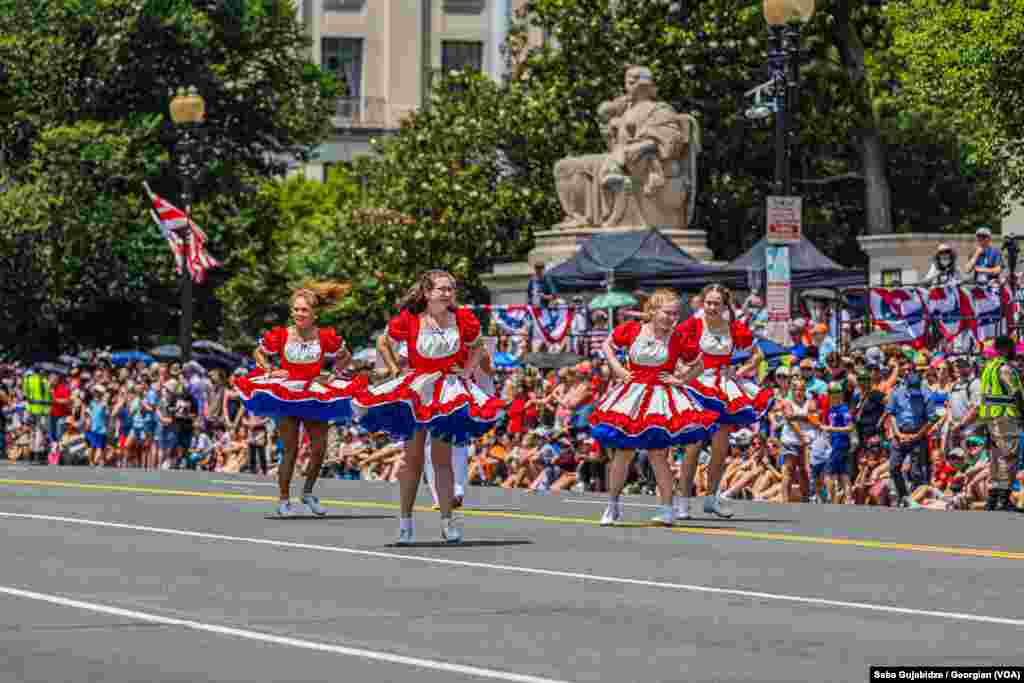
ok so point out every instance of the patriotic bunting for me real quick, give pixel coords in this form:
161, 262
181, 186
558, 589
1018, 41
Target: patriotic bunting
551, 324
977, 311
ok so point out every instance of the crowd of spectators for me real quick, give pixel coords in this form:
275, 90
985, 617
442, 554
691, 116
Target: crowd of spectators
834, 435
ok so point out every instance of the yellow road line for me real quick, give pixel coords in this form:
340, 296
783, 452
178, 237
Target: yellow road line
732, 533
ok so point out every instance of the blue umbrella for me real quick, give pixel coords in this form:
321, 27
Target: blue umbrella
770, 349
166, 352
206, 345
125, 357
506, 360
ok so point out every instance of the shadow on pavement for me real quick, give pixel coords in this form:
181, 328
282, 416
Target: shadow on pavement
744, 520
464, 544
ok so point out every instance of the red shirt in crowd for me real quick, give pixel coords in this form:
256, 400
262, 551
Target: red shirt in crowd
520, 418
943, 474
61, 403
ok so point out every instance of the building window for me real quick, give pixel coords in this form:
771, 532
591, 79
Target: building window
464, 6
892, 278
343, 57
343, 5
457, 55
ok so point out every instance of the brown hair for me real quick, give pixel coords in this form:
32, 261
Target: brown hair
661, 297
724, 291
415, 299
317, 293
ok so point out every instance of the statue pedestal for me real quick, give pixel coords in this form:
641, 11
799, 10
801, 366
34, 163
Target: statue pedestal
555, 246
507, 281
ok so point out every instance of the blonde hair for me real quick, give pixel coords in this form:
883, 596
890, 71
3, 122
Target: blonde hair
317, 293
661, 297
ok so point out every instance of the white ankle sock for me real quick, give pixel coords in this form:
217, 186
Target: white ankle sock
405, 523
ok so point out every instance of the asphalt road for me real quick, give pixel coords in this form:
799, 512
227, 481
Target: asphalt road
179, 576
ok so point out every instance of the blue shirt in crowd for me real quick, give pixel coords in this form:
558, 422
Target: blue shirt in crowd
99, 415
827, 346
144, 417
839, 416
910, 408
990, 258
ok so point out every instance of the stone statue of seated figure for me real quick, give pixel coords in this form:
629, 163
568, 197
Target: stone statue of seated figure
648, 175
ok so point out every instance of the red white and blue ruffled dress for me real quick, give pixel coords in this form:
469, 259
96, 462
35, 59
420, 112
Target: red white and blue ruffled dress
432, 394
298, 395
738, 401
646, 413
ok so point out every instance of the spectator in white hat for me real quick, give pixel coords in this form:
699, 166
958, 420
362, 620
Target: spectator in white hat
943, 271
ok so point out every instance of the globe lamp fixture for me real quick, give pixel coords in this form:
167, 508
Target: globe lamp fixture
188, 106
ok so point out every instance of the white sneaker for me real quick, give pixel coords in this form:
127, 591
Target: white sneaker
664, 516
313, 503
451, 531
284, 509
682, 508
612, 514
405, 537
715, 505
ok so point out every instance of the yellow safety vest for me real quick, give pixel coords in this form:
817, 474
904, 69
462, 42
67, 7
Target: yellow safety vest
37, 393
997, 400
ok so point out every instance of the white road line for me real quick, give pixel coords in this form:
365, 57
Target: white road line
276, 640
596, 578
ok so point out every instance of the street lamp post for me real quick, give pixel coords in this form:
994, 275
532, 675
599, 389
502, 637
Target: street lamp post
188, 111
785, 18
783, 211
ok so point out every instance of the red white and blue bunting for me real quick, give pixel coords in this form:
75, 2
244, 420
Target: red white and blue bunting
550, 324
972, 309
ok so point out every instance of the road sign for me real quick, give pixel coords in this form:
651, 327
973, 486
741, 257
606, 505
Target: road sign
784, 220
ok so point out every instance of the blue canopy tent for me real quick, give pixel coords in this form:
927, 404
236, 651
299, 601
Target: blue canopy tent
809, 268
630, 259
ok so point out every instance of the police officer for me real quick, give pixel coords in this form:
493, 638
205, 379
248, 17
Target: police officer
910, 419
37, 394
1001, 411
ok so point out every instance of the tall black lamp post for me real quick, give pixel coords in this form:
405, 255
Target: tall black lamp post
188, 111
1012, 255
785, 18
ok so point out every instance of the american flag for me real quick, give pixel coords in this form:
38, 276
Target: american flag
170, 219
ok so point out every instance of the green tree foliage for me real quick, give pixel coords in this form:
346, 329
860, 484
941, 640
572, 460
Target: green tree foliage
292, 225
963, 61
469, 180
462, 185
85, 88
852, 147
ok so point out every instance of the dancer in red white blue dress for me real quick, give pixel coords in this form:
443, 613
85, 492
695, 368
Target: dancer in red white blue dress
648, 408
296, 394
712, 338
435, 395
